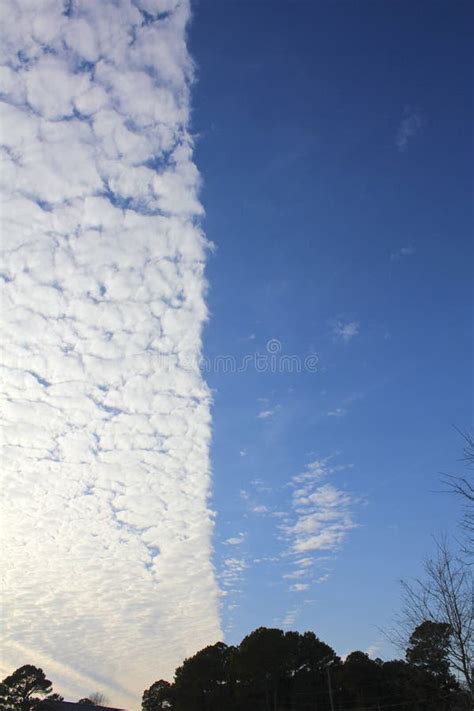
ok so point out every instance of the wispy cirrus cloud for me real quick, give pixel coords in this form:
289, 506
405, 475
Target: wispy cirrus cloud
410, 125
295, 574
106, 426
337, 412
306, 520
253, 498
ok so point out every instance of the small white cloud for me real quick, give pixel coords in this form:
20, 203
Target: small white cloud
235, 540
290, 618
243, 452
259, 509
372, 650
235, 564
337, 412
346, 330
299, 587
267, 411
402, 252
410, 125
295, 575
265, 414
322, 579
304, 562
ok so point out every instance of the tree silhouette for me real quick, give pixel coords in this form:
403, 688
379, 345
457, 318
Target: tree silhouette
202, 682
97, 698
158, 697
429, 648
20, 690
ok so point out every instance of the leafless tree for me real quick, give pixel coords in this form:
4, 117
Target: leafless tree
463, 486
443, 594
97, 698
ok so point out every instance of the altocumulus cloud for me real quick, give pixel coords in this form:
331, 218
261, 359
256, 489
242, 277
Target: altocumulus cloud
106, 527
320, 520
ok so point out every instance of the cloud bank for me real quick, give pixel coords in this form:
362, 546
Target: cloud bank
105, 521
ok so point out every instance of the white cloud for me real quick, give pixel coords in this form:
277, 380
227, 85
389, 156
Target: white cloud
345, 330
372, 650
305, 562
320, 518
235, 540
410, 125
232, 574
233, 568
106, 431
296, 574
265, 414
337, 412
402, 252
290, 618
259, 509
322, 578
299, 587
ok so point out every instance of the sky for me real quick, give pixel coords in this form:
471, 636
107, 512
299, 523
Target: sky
236, 322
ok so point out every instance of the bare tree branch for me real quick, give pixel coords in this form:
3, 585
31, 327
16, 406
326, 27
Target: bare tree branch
463, 486
444, 594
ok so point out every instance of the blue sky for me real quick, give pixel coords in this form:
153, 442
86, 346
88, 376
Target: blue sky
333, 140
193, 185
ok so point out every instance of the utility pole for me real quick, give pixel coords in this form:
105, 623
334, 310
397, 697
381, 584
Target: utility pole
331, 698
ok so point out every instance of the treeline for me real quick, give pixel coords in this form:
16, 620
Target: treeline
272, 670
